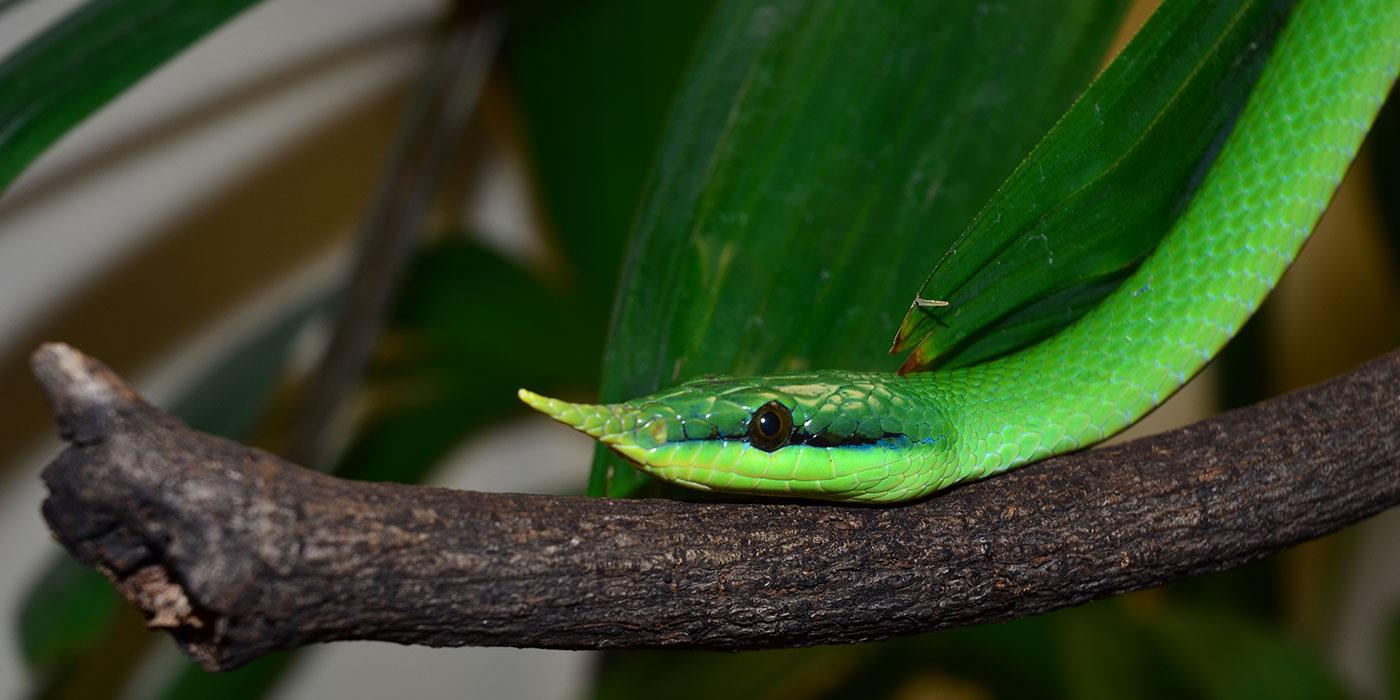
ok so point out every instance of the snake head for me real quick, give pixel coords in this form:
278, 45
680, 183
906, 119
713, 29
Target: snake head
840, 436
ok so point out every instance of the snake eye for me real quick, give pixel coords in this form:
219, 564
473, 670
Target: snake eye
770, 427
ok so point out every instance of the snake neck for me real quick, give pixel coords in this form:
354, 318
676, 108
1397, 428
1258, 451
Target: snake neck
1276, 173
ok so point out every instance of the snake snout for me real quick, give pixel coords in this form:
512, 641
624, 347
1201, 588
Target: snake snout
608, 423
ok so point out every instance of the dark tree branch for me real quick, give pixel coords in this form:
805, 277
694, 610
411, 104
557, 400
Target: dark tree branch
236, 552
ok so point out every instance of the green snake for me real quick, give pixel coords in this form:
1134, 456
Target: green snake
883, 437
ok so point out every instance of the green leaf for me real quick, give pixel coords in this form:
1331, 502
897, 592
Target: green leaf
1224, 656
251, 681
1100, 190
819, 157
464, 337
87, 58
1385, 171
595, 79
64, 613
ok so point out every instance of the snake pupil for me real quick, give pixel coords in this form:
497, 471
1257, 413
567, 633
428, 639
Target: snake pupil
770, 427
768, 423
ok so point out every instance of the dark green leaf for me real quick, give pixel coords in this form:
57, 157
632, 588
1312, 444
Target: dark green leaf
87, 58
251, 681
1224, 656
465, 336
65, 612
1102, 188
818, 159
1385, 171
595, 80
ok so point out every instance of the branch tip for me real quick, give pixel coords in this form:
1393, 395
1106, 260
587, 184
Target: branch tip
81, 391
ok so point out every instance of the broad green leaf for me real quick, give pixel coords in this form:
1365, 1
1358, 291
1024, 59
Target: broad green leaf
818, 159
87, 58
1100, 190
594, 81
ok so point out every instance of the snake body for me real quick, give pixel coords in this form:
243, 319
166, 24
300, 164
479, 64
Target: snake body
866, 436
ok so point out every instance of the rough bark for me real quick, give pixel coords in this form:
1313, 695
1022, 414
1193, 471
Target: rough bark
236, 552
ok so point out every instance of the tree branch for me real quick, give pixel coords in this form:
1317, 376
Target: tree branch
236, 552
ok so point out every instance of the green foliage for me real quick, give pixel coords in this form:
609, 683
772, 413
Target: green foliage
464, 336
1046, 249
1223, 656
595, 80
63, 614
251, 681
86, 59
819, 157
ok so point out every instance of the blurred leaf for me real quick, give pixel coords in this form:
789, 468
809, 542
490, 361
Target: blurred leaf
90, 56
1224, 656
1101, 189
7, 5
464, 337
1392, 657
818, 159
1385, 171
972, 659
779, 673
229, 399
1253, 590
595, 79
65, 612
1096, 651
251, 681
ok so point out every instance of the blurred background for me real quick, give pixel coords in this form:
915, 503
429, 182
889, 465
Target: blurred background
438, 194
